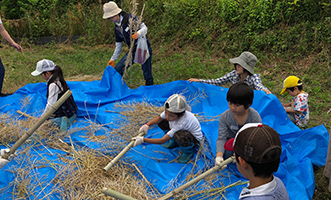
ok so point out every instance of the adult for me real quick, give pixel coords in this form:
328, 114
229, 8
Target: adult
5, 35
123, 33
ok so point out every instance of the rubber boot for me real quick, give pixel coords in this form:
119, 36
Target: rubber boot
170, 144
187, 153
64, 123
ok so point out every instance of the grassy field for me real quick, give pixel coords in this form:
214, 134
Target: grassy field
170, 63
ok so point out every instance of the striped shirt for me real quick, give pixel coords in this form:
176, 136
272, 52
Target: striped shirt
253, 81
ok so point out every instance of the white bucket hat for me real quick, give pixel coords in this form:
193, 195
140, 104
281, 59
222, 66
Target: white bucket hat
43, 66
176, 103
247, 60
110, 9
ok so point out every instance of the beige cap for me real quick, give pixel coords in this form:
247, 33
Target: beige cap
176, 103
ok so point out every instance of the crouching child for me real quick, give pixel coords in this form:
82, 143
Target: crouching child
182, 129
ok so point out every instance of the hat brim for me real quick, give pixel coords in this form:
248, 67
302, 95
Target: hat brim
229, 145
242, 63
283, 90
36, 73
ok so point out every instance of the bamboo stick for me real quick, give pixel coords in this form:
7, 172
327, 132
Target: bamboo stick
43, 118
126, 149
116, 195
25, 115
198, 178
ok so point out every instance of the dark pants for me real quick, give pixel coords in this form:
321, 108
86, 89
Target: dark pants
183, 138
146, 67
2, 74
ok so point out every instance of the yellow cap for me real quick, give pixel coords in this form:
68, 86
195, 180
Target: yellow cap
289, 82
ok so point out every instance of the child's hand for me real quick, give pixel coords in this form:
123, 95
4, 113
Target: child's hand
267, 91
219, 160
144, 128
193, 80
138, 140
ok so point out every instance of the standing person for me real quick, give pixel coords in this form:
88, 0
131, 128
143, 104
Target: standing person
257, 150
297, 110
243, 72
240, 98
122, 34
65, 115
5, 35
181, 128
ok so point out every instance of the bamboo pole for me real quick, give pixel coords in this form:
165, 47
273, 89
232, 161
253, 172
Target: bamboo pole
116, 195
40, 121
127, 148
198, 178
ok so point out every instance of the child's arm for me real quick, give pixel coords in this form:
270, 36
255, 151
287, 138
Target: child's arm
162, 140
146, 126
291, 110
155, 120
287, 104
139, 140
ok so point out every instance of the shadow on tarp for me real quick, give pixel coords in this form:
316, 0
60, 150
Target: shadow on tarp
301, 148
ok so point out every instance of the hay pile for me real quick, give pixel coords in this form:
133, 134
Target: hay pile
78, 170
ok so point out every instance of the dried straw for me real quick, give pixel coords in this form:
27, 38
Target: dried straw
79, 170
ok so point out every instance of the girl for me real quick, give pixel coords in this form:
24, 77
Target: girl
244, 72
65, 115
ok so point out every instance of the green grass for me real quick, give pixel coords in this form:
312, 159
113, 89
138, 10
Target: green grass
172, 63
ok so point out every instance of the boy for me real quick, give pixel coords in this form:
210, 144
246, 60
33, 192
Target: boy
297, 110
243, 72
240, 98
182, 128
257, 150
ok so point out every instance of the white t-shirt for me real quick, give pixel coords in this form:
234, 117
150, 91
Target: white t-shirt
274, 190
0, 21
187, 122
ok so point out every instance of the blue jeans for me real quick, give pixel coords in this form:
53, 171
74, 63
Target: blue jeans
2, 74
146, 67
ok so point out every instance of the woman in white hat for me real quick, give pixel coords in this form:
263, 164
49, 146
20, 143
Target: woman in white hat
65, 115
122, 34
244, 72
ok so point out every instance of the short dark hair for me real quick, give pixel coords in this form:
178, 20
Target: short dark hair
299, 87
180, 114
264, 170
240, 93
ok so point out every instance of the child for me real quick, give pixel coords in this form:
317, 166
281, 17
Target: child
65, 115
297, 110
240, 98
182, 128
257, 150
244, 72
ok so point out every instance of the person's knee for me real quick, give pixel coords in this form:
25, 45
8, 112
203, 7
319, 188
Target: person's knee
183, 138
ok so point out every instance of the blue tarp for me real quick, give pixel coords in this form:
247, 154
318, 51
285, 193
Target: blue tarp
301, 148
